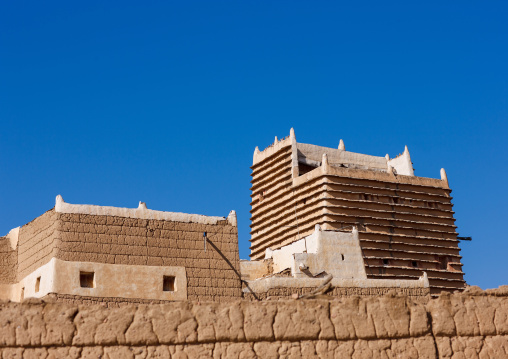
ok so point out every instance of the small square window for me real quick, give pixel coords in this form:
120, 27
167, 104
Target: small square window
86, 279
385, 262
169, 283
37, 284
414, 264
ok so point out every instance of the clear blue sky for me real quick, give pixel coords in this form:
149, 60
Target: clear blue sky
110, 103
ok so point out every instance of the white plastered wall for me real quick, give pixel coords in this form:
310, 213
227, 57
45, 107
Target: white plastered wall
110, 280
402, 164
336, 253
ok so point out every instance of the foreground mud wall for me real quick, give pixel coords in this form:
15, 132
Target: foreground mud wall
473, 324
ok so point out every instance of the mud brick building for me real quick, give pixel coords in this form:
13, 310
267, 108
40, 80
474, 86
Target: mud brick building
405, 223
95, 254
323, 221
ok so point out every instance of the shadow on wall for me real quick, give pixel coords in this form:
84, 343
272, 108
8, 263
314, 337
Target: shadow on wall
230, 265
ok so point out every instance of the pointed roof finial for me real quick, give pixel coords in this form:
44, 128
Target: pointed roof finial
387, 156
256, 150
406, 150
232, 218
444, 177
324, 162
142, 205
292, 132
341, 145
59, 202
276, 140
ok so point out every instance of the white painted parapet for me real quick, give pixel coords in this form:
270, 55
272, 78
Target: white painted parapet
141, 212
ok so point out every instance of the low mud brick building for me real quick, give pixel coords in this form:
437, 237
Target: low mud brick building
96, 254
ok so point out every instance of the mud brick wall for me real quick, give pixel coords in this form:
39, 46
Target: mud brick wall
8, 262
473, 324
37, 243
286, 293
110, 302
211, 275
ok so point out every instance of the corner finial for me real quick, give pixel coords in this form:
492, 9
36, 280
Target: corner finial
256, 150
406, 150
276, 140
341, 145
387, 156
142, 205
232, 218
444, 177
59, 202
324, 162
292, 132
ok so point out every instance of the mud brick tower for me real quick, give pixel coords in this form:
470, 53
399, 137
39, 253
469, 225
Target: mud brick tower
405, 223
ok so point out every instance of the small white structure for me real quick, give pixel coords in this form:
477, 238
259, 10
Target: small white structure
319, 255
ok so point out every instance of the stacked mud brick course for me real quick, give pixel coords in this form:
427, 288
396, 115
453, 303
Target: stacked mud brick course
406, 224
473, 324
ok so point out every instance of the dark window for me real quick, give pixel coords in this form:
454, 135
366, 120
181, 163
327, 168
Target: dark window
414, 264
37, 284
22, 293
443, 263
86, 279
385, 262
168, 284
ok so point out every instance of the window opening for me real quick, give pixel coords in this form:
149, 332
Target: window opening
87, 279
385, 262
443, 263
22, 293
37, 284
414, 264
169, 284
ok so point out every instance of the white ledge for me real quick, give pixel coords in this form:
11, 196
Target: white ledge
140, 213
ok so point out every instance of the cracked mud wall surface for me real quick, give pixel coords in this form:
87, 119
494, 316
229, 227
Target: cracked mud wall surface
473, 324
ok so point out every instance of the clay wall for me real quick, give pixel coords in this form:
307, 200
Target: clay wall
271, 185
338, 292
467, 325
8, 262
37, 243
406, 224
211, 275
